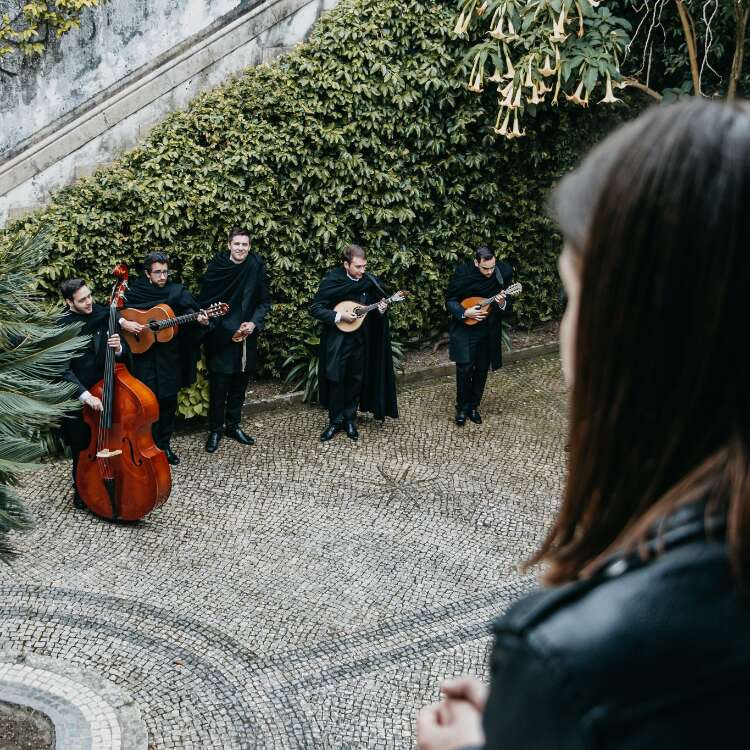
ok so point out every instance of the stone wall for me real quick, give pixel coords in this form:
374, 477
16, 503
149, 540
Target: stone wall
132, 62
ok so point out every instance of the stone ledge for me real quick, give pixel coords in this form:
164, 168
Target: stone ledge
87, 710
421, 375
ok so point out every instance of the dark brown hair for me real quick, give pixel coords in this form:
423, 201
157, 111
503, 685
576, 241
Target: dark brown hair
157, 256
483, 253
70, 286
350, 252
659, 218
239, 232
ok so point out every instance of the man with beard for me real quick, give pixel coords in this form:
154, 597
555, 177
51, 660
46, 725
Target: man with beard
87, 368
239, 278
475, 348
355, 369
167, 366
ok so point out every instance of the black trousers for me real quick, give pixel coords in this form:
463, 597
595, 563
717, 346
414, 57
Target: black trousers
226, 395
471, 376
76, 435
345, 395
163, 428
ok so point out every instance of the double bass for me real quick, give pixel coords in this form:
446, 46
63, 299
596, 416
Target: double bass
122, 475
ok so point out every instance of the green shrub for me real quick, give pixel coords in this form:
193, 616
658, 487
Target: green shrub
364, 133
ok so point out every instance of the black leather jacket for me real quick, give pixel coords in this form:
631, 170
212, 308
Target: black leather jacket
649, 654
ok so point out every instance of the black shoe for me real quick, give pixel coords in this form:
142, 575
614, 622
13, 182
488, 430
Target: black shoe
475, 416
237, 434
78, 503
329, 432
212, 444
172, 457
351, 431
460, 418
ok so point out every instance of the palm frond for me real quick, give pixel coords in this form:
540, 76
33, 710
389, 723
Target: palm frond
34, 353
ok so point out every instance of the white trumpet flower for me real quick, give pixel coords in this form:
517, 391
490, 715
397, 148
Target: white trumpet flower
609, 97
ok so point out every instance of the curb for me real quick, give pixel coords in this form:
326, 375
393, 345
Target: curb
422, 375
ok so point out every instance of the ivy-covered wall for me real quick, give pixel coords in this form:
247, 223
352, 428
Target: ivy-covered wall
366, 133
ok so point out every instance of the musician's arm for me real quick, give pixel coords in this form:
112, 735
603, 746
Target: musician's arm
70, 377
455, 308
264, 304
320, 311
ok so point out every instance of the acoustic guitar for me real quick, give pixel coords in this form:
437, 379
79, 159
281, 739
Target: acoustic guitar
480, 302
355, 308
161, 324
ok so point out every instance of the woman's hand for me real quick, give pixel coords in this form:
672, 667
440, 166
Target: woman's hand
469, 689
449, 725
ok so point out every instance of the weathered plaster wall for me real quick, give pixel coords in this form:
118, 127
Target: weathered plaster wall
114, 40
115, 119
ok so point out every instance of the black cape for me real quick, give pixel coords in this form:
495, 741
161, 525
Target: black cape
244, 287
379, 384
468, 281
87, 368
167, 367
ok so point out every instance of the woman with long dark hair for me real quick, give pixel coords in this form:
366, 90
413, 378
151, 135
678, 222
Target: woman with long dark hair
640, 637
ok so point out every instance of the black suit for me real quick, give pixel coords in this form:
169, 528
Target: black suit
476, 348
83, 372
230, 364
346, 351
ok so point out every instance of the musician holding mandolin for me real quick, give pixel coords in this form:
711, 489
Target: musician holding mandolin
355, 367
87, 368
164, 366
476, 301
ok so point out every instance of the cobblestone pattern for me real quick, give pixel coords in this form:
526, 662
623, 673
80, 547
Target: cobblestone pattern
298, 594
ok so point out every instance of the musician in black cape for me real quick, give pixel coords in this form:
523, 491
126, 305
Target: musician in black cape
239, 278
355, 369
476, 348
170, 365
87, 368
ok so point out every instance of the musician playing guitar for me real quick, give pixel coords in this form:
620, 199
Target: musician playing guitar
164, 367
474, 348
355, 368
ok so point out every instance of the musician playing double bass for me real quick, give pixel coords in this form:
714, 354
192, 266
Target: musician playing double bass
475, 348
87, 368
166, 366
355, 369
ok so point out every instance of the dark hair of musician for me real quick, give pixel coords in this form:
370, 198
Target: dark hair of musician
483, 253
239, 232
350, 252
70, 286
657, 220
156, 257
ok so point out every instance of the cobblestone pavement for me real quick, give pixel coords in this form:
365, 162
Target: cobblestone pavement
298, 594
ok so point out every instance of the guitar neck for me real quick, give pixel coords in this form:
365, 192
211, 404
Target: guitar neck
171, 322
366, 308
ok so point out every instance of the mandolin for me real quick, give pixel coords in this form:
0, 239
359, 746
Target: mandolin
479, 302
161, 324
355, 308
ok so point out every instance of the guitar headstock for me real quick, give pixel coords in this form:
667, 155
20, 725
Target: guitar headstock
513, 290
217, 309
399, 296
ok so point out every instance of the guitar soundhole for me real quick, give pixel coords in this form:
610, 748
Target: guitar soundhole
358, 312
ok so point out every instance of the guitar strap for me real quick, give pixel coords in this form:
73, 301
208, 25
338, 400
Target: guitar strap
380, 288
499, 276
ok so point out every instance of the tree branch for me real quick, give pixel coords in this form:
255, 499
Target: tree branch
741, 17
687, 24
635, 84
